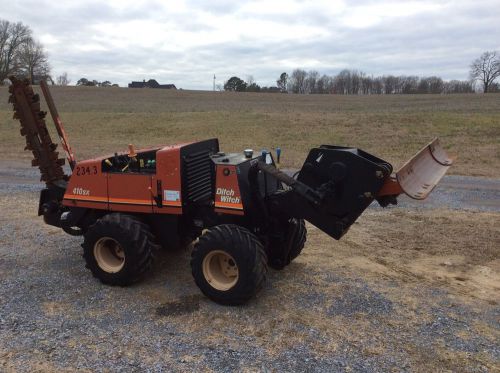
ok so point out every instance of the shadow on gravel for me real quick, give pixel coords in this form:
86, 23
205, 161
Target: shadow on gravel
182, 306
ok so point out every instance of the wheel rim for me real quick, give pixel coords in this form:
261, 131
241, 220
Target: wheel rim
109, 255
220, 270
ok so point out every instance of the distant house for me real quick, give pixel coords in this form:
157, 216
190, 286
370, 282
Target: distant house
151, 83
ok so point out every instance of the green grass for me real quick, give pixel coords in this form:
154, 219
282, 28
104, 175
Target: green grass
104, 120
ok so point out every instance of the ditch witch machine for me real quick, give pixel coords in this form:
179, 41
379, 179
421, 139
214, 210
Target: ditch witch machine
242, 211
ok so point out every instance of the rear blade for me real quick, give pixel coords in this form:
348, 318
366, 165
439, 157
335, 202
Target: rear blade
418, 177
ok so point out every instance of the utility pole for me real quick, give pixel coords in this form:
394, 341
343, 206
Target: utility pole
214, 82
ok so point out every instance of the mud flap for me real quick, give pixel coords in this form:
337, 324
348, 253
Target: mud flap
418, 177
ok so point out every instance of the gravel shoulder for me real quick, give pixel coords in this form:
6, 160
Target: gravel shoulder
409, 288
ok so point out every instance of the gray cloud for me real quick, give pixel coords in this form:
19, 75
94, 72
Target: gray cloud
187, 42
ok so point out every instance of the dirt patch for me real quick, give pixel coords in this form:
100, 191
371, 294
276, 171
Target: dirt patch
480, 281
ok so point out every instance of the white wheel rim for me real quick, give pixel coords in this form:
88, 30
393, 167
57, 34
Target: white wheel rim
220, 270
109, 255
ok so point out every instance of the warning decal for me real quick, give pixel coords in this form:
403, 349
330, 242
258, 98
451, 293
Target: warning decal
172, 195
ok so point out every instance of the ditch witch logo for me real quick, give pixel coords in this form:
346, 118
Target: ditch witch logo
227, 195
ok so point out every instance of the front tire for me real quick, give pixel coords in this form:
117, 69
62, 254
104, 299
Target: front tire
118, 249
229, 264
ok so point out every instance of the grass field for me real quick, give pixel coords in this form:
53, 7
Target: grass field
104, 120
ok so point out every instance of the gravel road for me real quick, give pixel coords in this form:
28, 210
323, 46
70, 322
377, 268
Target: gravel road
54, 316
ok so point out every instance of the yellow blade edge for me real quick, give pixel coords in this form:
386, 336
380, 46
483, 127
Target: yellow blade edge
419, 176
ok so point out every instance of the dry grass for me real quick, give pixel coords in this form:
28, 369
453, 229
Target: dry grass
100, 121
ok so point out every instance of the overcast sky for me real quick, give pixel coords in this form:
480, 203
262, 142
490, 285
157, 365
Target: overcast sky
186, 42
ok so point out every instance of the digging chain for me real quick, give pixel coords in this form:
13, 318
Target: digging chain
26, 105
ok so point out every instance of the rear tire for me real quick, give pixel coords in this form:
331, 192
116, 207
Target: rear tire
276, 261
229, 264
118, 249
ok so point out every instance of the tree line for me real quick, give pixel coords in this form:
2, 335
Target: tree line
483, 72
239, 85
94, 83
354, 82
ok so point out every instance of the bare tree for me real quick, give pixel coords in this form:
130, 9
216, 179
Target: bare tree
436, 84
458, 86
282, 82
485, 69
63, 79
323, 84
409, 84
311, 81
342, 83
356, 81
33, 61
390, 84
12, 37
366, 85
298, 81
378, 85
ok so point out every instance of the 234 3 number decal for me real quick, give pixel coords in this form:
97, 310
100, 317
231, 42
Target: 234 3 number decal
81, 171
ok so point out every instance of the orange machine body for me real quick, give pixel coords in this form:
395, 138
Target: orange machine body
93, 186
156, 181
